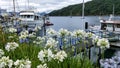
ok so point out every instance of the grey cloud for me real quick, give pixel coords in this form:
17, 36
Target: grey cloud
41, 5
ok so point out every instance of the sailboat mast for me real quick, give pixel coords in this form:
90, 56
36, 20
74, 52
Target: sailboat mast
113, 9
83, 6
14, 7
83, 9
28, 4
71, 13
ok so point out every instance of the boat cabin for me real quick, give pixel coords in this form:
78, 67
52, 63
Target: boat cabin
29, 16
110, 25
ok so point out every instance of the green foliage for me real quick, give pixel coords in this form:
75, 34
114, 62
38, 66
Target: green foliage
94, 7
30, 51
71, 62
24, 51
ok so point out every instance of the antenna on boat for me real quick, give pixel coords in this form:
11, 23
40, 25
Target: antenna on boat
112, 15
113, 9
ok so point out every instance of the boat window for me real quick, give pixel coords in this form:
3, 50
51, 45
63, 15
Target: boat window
109, 25
103, 26
118, 25
26, 16
36, 17
22, 16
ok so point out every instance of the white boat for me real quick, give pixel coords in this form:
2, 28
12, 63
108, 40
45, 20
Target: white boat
31, 18
111, 24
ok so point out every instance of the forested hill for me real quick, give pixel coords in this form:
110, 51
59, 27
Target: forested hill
94, 7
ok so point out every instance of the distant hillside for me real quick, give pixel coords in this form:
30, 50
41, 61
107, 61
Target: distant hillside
94, 7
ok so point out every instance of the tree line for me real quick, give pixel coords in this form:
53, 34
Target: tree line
94, 7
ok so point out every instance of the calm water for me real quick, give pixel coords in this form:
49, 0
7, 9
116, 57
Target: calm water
76, 22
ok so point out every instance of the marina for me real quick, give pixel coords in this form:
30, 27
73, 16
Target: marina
33, 39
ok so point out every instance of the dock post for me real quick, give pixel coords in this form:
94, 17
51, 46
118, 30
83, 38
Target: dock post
113, 27
86, 25
44, 27
99, 57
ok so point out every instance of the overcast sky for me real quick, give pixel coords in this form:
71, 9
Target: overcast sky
38, 5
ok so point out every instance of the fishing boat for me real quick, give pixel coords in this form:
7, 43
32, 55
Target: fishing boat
112, 24
47, 21
31, 18
109, 29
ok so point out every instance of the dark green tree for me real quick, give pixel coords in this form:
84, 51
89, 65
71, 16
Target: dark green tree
94, 7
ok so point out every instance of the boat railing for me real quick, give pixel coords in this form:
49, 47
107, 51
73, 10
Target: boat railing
112, 36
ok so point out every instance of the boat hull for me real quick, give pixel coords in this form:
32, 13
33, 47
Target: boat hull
32, 23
